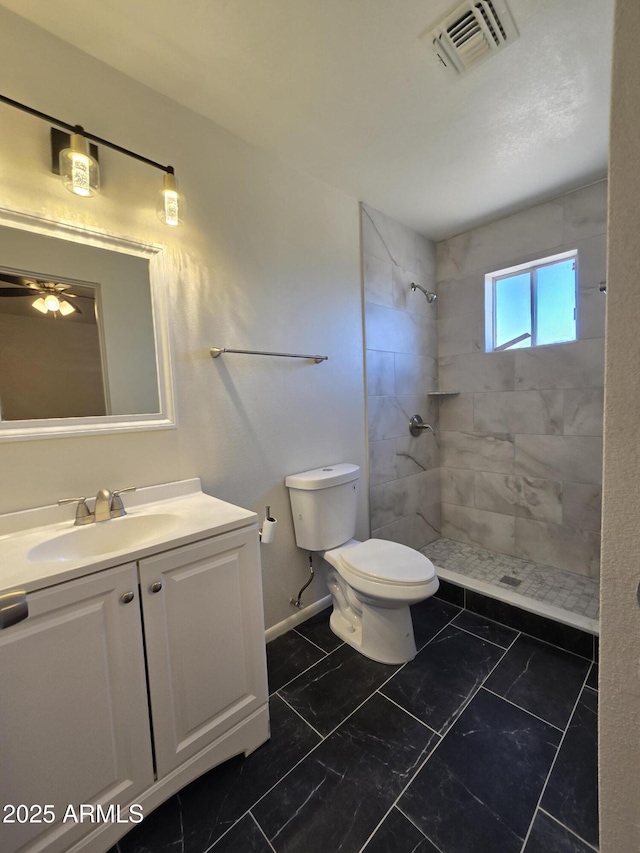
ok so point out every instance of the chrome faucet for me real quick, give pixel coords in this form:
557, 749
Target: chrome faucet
108, 505
102, 509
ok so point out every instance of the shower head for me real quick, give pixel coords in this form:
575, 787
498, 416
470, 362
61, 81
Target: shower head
431, 297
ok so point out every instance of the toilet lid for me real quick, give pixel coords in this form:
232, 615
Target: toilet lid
388, 561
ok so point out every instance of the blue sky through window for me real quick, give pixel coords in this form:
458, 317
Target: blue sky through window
538, 302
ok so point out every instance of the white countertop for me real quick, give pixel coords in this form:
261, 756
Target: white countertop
194, 516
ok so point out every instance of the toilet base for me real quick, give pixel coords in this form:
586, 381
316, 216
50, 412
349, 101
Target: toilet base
383, 634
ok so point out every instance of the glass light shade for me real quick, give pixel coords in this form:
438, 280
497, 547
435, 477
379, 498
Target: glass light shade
51, 302
66, 308
171, 204
39, 305
79, 171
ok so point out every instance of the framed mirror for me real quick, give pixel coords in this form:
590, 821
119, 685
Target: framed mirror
84, 338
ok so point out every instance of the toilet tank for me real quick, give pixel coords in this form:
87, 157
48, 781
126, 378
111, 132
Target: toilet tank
323, 503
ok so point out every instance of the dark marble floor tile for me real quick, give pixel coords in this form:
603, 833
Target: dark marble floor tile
207, 807
571, 795
547, 836
485, 628
566, 637
450, 592
159, 832
596, 649
317, 630
441, 678
540, 678
398, 835
287, 657
335, 798
592, 681
245, 837
479, 790
429, 617
328, 693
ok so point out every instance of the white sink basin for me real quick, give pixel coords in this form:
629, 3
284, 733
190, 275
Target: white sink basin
92, 540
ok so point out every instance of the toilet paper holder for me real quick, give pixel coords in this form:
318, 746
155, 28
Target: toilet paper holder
268, 527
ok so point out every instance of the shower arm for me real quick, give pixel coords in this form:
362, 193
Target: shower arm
431, 297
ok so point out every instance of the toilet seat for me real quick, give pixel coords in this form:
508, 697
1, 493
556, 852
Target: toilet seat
388, 563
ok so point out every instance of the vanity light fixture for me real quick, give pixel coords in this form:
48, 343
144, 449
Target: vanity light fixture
77, 163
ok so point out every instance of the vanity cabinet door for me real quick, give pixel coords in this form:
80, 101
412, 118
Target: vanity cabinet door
74, 724
204, 635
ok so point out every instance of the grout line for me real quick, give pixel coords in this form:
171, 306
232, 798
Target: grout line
553, 764
295, 630
520, 708
326, 655
289, 705
261, 831
226, 832
559, 822
419, 830
484, 639
413, 716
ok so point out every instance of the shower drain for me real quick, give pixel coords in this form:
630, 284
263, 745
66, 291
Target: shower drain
510, 581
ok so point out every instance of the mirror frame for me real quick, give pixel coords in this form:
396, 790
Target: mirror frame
158, 280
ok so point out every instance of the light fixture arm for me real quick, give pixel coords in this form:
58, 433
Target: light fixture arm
74, 128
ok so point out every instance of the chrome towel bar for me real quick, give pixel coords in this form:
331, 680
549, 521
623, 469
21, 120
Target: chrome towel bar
217, 351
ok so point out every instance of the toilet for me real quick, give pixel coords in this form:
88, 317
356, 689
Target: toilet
372, 583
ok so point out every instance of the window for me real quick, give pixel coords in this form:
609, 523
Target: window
532, 304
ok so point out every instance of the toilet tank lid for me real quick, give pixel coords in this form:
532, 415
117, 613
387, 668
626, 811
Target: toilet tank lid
322, 478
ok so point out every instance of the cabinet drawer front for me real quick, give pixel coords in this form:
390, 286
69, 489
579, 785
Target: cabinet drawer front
73, 706
204, 635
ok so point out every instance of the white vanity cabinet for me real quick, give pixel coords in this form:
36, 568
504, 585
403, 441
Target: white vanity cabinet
126, 683
202, 608
73, 708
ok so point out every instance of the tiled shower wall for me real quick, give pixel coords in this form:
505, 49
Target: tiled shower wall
401, 365
521, 446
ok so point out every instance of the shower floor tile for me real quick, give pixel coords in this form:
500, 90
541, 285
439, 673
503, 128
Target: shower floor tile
565, 590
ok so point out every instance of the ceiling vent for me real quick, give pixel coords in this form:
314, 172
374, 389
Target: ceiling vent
471, 33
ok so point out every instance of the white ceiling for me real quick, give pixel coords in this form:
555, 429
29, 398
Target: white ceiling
347, 91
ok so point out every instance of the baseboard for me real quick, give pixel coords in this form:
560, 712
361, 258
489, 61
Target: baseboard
296, 618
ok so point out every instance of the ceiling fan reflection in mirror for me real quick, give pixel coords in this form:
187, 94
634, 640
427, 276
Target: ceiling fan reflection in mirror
51, 297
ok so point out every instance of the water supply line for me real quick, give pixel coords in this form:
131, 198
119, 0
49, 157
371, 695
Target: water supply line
297, 602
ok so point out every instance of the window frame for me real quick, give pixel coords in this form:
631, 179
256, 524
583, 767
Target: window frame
532, 268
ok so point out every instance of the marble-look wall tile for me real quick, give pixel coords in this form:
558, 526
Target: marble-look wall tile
387, 239
527, 497
397, 331
538, 412
461, 296
584, 212
416, 453
490, 371
502, 243
460, 333
561, 457
583, 411
415, 531
558, 545
382, 461
592, 261
477, 452
582, 506
413, 301
456, 486
414, 374
573, 365
591, 313
386, 418
456, 413
477, 527
396, 499
378, 283
380, 374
